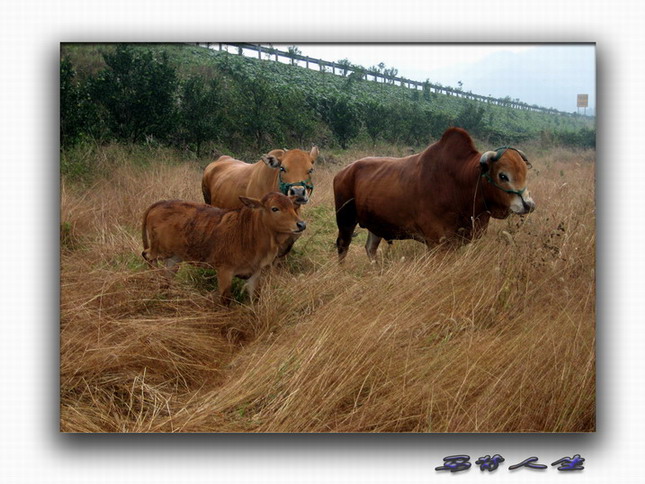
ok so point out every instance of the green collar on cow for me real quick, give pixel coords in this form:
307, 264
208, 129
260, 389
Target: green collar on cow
284, 187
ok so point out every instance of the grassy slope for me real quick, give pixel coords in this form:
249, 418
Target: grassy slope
193, 60
496, 336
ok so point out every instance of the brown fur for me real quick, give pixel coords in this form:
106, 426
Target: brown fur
227, 179
234, 242
432, 196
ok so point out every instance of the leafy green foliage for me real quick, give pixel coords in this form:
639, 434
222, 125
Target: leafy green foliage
201, 111
188, 96
137, 89
343, 116
471, 118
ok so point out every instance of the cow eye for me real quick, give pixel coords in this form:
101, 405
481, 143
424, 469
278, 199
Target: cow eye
275, 209
503, 177
310, 171
282, 168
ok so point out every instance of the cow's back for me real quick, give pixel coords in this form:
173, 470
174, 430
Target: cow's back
383, 192
180, 228
224, 181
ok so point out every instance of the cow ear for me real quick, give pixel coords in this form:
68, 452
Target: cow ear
526, 160
273, 158
251, 202
486, 158
314, 153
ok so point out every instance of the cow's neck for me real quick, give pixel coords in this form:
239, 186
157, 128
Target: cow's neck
258, 237
265, 179
477, 187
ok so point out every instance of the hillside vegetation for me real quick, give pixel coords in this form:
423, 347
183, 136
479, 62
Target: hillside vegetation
497, 336
204, 101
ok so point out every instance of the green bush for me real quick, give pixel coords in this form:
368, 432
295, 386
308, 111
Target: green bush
138, 90
191, 98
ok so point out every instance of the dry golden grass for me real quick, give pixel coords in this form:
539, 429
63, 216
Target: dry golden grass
496, 336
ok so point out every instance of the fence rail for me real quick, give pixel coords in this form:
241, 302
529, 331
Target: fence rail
376, 76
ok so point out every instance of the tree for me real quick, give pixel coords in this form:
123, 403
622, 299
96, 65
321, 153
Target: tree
375, 114
79, 115
71, 122
358, 73
256, 110
297, 121
343, 117
345, 66
138, 89
293, 53
426, 89
201, 111
391, 72
471, 118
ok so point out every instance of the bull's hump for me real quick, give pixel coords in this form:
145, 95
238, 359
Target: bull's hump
458, 142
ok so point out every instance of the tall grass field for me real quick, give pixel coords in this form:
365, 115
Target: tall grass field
495, 336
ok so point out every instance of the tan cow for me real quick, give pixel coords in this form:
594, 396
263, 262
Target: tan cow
286, 171
234, 242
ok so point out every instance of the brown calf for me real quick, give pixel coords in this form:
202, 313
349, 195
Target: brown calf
234, 242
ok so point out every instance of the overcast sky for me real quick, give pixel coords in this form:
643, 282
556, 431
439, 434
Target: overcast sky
549, 75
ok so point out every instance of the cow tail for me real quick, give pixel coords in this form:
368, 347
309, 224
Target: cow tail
207, 193
144, 235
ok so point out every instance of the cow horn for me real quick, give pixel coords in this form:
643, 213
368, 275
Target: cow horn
486, 158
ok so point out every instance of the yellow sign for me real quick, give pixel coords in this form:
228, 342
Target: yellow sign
583, 100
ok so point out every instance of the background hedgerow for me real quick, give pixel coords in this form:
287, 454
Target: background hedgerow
205, 102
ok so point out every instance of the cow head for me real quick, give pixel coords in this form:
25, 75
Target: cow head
504, 171
295, 171
278, 212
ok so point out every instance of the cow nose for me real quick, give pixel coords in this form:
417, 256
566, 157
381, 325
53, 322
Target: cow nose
529, 205
301, 225
300, 194
297, 191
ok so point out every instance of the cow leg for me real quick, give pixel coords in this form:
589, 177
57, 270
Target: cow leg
152, 262
251, 285
346, 219
172, 266
372, 244
285, 247
224, 284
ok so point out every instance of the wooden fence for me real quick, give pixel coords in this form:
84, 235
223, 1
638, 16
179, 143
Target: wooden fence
340, 69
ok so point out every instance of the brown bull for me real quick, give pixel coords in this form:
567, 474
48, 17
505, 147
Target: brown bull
286, 171
447, 192
234, 242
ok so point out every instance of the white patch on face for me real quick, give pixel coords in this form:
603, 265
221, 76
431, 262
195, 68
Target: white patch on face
517, 206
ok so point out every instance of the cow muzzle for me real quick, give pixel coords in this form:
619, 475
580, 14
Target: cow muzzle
529, 205
301, 226
522, 204
300, 193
